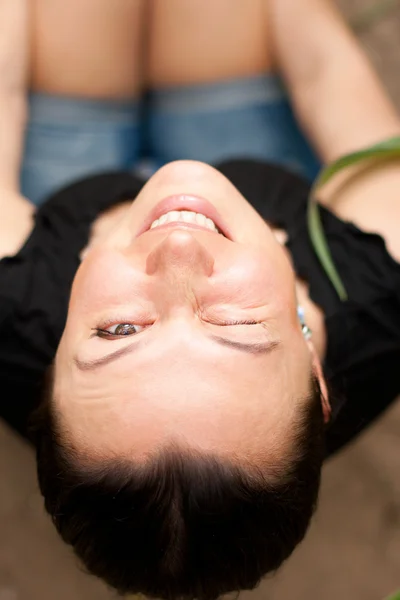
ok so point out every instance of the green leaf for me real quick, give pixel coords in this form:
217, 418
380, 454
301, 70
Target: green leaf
385, 150
396, 596
321, 248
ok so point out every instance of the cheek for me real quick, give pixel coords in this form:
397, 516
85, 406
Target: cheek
258, 277
103, 278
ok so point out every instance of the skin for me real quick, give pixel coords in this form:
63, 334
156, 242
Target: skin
254, 275
89, 48
83, 49
201, 42
180, 286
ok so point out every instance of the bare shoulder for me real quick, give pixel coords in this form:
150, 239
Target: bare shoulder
16, 222
370, 198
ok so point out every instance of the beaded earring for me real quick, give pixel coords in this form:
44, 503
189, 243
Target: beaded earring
304, 327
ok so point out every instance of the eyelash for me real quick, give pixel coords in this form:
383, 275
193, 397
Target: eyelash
228, 323
103, 333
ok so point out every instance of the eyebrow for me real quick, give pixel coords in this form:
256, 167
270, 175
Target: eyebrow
255, 348
249, 347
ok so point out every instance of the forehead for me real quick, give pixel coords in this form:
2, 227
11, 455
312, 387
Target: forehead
215, 402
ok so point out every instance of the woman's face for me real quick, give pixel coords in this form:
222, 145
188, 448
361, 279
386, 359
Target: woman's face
177, 332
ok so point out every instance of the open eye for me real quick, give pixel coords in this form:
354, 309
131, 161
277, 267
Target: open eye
119, 330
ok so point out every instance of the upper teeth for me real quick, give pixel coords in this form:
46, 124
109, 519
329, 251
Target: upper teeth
186, 216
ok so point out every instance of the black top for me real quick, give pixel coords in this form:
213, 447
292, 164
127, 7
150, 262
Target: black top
362, 362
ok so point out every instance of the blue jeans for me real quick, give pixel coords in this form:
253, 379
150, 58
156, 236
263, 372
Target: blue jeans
70, 138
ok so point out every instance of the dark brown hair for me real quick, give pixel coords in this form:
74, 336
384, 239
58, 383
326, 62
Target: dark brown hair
183, 524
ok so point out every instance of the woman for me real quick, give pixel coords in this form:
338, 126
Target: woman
185, 460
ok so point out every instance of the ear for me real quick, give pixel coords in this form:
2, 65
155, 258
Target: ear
317, 368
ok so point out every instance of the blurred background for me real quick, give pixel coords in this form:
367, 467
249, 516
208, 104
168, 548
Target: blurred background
353, 549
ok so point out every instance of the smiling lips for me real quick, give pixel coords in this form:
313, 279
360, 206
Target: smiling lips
186, 211
186, 217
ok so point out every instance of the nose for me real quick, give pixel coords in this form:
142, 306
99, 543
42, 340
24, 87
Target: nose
180, 254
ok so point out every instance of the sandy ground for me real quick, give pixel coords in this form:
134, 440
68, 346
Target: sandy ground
353, 549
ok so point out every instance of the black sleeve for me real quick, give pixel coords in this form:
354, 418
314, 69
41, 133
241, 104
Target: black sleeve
364, 359
35, 286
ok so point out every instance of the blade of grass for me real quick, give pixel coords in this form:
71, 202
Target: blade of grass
394, 597
385, 150
322, 250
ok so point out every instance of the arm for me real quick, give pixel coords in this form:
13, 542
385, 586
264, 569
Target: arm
15, 211
13, 75
338, 98
342, 107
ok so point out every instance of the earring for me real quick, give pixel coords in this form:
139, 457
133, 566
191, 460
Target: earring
304, 327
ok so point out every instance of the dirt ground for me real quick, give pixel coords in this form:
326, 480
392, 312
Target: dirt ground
353, 549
